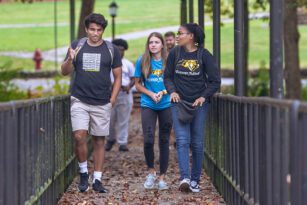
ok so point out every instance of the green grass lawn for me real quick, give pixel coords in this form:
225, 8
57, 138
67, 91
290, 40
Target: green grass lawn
259, 45
23, 64
133, 15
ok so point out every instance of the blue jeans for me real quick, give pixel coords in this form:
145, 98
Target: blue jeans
190, 135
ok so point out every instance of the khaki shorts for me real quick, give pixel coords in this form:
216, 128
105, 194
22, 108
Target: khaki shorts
95, 118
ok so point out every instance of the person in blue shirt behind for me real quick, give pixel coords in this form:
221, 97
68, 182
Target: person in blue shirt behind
155, 104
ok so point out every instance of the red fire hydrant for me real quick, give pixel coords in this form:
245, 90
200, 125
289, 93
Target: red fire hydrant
38, 58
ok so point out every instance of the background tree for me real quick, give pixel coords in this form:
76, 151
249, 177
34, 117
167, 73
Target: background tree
291, 46
291, 40
291, 43
87, 8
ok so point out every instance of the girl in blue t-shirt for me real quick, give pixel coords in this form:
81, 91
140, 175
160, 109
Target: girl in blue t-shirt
155, 104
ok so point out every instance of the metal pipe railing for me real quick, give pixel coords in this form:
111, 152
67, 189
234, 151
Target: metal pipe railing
255, 150
36, 148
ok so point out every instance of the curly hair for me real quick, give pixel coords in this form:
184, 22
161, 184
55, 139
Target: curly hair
97, 19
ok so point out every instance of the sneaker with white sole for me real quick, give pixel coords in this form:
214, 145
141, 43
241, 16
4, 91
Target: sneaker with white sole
184, 185
97, 186
162, 185
194, 186
150, 181
83, 184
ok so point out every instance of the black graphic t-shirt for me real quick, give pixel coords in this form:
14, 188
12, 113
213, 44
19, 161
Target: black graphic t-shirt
189, 78
92, 84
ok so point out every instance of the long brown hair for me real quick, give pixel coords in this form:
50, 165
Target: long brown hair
146, 68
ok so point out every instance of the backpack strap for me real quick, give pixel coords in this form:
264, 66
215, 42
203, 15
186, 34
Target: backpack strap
80, 44
200, 51
82, 41
111, 50
177, 54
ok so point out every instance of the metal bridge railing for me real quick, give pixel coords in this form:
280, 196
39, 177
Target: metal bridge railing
254, 150
37, 160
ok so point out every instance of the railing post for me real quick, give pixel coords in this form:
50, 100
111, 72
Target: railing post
240, 48
201, 13
183, 12
191, 11
217, 32
276, 49
296, 154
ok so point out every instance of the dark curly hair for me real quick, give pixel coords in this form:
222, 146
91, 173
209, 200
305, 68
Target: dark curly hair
97, 19
120, 42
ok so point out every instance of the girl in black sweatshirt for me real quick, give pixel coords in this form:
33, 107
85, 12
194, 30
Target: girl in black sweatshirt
191, 77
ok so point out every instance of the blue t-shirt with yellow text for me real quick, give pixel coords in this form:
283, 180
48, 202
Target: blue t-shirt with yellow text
154, 83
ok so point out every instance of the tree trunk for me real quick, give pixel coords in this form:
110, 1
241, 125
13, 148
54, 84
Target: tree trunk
291, 40
86, 9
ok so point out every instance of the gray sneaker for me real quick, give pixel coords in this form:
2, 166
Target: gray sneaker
150, 181
162, 185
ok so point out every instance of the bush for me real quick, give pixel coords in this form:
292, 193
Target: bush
259, 85
304, 93
9, 91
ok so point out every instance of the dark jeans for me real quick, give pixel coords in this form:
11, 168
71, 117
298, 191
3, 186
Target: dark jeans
149, 119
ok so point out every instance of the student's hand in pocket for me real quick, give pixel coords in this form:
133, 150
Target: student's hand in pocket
112, 101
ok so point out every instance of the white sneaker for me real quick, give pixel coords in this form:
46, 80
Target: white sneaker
162, 185
184, 185
194, 187
150, 181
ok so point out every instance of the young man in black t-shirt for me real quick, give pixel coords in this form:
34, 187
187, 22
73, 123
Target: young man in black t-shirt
92, 96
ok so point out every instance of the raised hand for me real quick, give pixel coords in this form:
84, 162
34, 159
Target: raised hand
72, 53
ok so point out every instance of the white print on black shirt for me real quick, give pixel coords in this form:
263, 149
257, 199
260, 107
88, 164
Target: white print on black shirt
91, 62
186, 73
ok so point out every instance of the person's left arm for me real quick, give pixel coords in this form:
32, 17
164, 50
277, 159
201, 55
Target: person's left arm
213, 78
131, 75
131, 70
117, 73
213, 75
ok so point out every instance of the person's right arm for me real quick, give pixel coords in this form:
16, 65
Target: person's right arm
169, 76
67, 66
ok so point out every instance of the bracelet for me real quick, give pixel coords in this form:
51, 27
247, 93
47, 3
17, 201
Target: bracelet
164, 92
